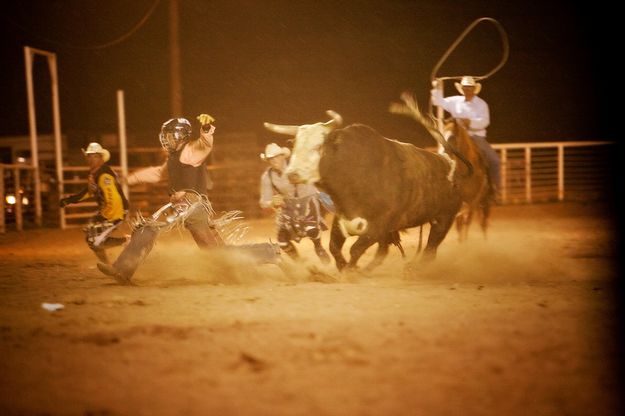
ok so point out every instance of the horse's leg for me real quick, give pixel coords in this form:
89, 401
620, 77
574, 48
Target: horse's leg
485, 215
459, 224
358, 248
337, 239
463, 220
468, 218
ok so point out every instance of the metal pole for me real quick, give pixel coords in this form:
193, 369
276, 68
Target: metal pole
504, 175
3, 228
174, 60
123, 151
560, 172
58, 148
32, 127
528, 174
19, 223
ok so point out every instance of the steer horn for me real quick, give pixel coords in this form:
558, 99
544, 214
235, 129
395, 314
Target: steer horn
336, 121
282, 129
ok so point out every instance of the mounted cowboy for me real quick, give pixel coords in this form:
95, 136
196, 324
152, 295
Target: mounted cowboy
473, 113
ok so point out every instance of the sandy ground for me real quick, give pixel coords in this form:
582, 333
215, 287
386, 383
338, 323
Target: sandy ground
522, 323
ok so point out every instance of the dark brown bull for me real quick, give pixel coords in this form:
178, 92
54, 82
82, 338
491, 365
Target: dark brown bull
379, 186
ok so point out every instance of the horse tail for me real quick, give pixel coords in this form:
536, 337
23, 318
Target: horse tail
411, 109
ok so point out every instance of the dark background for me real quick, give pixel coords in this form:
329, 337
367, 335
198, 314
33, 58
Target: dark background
249, 61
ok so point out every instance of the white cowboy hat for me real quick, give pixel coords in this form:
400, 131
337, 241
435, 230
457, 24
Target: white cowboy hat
273, 150
97, 148
468, 81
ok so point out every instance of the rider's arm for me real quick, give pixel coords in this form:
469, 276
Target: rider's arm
439, 101
266, 191
83, 195
196, 151
153, 174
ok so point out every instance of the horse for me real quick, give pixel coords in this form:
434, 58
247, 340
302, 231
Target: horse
471, 178
475, 188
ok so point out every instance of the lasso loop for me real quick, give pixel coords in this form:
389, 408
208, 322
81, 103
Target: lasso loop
505, 49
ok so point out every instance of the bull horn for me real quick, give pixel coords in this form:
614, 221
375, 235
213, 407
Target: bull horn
336, 121
282, 129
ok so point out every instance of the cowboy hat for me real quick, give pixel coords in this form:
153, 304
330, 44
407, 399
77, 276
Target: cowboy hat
97, 148
273, 150
468, 81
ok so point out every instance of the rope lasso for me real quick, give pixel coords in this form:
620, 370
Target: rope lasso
505, 49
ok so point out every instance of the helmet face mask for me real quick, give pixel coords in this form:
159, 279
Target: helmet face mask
174, 133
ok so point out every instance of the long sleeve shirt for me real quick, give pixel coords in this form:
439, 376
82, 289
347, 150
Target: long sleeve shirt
104, 188
475, 110
273, 182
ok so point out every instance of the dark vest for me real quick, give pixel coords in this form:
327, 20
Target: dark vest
183, 176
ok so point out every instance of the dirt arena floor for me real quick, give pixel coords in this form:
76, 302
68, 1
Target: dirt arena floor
523, 323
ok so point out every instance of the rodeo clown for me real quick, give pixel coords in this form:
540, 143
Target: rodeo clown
297, 206
104, 188
189, 206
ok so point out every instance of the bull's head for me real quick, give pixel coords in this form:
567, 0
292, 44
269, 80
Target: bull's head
303, 166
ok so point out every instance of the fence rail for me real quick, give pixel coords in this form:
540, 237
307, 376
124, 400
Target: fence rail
17, 193
533, 172
530, 172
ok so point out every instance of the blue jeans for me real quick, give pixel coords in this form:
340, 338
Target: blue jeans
494, 163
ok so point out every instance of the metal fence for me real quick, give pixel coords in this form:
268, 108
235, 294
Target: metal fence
17, 191
531, 172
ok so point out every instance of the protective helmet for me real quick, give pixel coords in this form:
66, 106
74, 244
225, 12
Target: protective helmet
174, 132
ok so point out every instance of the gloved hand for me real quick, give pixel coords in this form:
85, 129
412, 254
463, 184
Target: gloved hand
64, 202
205, 119
277, 201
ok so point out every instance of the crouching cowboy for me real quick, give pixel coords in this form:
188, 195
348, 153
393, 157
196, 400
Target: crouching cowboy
297, 208
102, 187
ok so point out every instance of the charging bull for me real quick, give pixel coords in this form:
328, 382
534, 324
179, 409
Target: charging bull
379, 186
